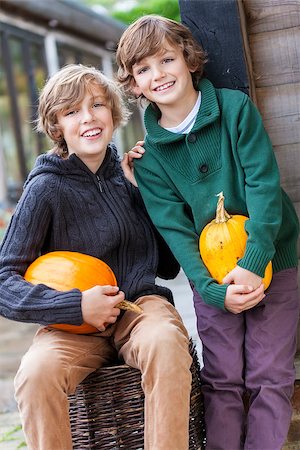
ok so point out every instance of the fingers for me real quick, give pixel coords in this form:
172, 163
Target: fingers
128, 169
113, 314
117, 298
241, 276
240, 288
240, 298
253, 299
126, 164
109, 321
227, 279
110, 290
136, 152
125, 161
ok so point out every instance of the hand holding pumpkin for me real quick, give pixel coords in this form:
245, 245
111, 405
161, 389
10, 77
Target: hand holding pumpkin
239, 275
99, 305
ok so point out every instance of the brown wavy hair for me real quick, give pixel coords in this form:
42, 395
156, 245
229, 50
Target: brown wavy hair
65, 89
144, 38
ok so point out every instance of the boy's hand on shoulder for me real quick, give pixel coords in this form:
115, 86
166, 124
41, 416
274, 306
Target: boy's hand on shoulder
128, 161
98, 305
137, 151
239, 298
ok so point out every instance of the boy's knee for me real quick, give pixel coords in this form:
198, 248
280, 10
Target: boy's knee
37, 369
164, 341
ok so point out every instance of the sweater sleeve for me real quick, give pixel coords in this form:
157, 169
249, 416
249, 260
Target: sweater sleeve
169, 214
22, 244
262, 189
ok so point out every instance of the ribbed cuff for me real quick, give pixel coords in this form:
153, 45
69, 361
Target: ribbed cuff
254, 260
214, 295
285, 257
68, 308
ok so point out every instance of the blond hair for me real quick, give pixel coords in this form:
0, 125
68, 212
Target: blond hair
145, 37
65, 89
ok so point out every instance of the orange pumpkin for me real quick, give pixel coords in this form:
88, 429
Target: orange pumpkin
63, 271
223, 242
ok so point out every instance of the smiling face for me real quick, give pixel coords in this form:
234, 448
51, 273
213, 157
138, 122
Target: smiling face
87, 127
164, 78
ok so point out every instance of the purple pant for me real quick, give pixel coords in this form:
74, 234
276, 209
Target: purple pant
253, 351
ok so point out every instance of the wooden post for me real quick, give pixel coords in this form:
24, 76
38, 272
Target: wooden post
216, 26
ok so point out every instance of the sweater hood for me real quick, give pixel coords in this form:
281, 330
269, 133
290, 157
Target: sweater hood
73, 166
209, 112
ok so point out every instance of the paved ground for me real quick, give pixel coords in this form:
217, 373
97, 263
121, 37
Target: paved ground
14, 341
15, 338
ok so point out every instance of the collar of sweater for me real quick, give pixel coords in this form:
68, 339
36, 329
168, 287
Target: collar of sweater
73, 166
209, 112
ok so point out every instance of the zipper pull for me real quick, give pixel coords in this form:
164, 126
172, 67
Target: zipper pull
99, 184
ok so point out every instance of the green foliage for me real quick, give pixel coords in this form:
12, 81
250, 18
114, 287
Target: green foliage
13, 435
108, 4
167, 8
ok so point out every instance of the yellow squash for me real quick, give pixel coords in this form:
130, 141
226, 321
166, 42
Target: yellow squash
223, 242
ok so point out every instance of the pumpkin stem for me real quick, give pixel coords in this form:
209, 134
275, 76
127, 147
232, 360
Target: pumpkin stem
221, 213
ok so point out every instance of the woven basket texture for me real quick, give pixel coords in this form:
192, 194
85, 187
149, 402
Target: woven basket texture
107, 410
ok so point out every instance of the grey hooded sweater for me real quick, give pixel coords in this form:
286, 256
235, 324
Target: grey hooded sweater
65, 206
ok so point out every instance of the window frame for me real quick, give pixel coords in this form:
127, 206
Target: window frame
26, 39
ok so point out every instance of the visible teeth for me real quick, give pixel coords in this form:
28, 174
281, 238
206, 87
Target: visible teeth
164, 86
92, 132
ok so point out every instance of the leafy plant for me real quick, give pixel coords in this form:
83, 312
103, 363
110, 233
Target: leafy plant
166, 8
10, 436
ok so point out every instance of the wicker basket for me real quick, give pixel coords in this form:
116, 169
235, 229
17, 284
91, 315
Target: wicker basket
107, 410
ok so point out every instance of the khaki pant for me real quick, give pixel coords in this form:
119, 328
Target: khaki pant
154, 342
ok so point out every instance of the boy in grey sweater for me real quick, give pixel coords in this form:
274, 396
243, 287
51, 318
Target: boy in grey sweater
77, 199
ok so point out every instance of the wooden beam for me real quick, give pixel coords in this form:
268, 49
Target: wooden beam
279, 106
271, 15
276, 57
70, 16
217, 27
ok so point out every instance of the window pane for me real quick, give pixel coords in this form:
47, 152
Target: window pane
37, 60
40, 75
133, 131
67, 55
11, 171
91, 60
24, 101
71, 55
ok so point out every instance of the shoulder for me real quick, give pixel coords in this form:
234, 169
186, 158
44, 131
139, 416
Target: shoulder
42, 189
42, 182
232, 97
236, 106
223, 95
38, 196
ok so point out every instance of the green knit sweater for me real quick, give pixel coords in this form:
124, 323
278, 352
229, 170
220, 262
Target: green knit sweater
227, 150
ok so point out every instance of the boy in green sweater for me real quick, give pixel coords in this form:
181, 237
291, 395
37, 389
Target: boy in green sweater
201, 141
